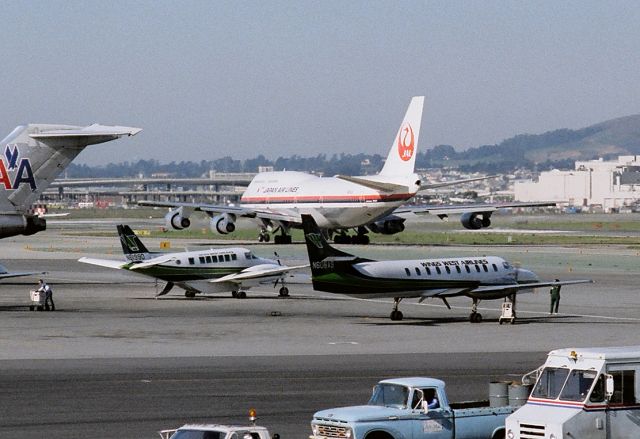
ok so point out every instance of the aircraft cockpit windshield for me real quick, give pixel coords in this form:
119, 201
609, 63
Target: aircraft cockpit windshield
506, 265
389, 395
249, 255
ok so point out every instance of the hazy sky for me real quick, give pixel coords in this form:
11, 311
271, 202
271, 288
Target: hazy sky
206, 79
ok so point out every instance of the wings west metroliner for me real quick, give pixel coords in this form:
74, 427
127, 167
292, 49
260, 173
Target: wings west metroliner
31, 157
203, 271
275, 200
484, 278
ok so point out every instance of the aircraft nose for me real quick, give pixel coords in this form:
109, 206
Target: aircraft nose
525, 276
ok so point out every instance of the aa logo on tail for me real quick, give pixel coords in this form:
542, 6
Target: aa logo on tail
21, 172
406, 142
315, 239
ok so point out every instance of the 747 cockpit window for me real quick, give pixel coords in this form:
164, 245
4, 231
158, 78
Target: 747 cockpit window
389, 395
550, 383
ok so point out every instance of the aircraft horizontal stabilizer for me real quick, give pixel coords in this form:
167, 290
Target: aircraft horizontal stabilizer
109, 263
377, 185
256, 273
94, 130
20, 274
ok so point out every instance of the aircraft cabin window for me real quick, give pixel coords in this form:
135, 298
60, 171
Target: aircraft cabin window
438, 270
466, 267
208, 259
428, 270
495, 267
227, 258
418, 271
178, 262
192, 261
484, 267
234, 257
458, 269
216, 258
448, 269
201, 258
478, 268
406, 270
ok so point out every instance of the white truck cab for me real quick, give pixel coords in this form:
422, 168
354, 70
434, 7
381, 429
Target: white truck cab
586, 393
219, 431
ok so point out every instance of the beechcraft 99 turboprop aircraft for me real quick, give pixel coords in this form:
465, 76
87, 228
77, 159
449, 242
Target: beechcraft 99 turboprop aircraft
484, 278
275, 200
204, 271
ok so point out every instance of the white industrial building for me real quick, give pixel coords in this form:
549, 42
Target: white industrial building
609, 184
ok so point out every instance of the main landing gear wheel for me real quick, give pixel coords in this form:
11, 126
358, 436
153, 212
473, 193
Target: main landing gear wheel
284, 292
396, 315
264, 237
190, 294
241, 295
475, 317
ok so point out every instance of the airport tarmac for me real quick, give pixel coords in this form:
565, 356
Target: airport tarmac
115, 362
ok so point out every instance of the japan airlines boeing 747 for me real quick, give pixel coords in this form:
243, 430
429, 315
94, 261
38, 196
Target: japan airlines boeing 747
485, 278
276, 200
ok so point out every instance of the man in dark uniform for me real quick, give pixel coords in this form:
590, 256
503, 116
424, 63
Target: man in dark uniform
555, 298
48, 296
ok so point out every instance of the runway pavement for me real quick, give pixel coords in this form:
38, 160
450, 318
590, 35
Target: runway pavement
114, 362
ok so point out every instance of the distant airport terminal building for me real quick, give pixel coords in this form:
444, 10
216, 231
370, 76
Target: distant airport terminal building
607, 184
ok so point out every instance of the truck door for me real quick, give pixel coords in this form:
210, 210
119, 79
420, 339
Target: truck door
623, 412
436, 423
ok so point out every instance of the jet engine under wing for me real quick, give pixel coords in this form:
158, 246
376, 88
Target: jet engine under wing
217, 209
257, 272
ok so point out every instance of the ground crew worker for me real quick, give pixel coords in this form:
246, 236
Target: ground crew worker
555, 298
48, 295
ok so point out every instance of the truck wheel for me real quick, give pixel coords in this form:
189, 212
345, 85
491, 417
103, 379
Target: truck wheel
498, 435
379, 435
31, 308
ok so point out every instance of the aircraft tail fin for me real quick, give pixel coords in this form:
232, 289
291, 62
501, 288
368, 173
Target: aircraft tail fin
132, 246
317, 246
402, 155
33, 155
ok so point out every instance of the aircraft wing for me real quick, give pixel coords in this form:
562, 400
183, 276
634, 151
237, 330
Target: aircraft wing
256, 273
427, 186
235, 210
445, 210
109, 263
511, 287
8, 275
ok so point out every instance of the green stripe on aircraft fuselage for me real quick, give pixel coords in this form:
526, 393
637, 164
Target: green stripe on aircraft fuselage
185, 274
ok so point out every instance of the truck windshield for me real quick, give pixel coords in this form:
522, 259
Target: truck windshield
550, 383
578, 384
198, 434
568, 385
389, 395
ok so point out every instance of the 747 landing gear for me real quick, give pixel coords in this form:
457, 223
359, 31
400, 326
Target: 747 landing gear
395, 314
475, 316
264, 236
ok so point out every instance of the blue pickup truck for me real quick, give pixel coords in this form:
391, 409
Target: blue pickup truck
411, 408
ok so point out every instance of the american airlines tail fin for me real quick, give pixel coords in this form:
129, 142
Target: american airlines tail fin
31, 157
402, 155
132, 247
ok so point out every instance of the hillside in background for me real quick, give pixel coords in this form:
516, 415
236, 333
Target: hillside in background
553, 149
558, 148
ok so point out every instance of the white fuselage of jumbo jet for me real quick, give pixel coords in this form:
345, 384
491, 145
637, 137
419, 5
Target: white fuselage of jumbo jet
332, 201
